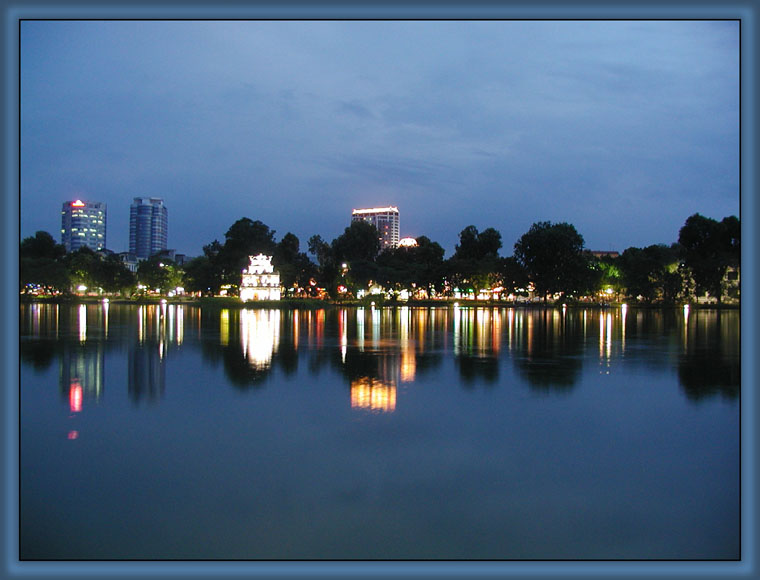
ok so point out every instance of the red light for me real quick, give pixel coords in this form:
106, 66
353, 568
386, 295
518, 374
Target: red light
77, 203
75, 397
73, 434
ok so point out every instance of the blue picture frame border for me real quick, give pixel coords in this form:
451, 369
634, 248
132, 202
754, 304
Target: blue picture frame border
743, 10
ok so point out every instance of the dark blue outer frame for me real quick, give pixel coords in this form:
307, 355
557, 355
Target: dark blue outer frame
744, 10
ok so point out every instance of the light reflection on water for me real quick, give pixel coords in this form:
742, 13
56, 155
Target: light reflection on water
535, 340
432, 432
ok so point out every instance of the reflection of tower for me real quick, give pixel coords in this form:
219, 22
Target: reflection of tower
146, 372
373, 394
408, 354
81, 372
259, 336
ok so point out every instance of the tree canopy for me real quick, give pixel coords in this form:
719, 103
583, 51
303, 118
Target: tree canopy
552, 255
709, 248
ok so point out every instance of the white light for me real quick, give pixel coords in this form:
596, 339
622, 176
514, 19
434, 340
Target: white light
81, 287
374, 210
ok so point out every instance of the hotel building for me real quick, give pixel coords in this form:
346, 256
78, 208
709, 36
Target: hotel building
385, 219
83, 223
148, 227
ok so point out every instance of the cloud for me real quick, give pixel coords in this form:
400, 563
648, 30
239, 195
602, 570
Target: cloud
460, 122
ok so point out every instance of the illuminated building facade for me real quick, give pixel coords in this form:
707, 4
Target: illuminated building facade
407, 243
260, 281
385, 219
148, 227
83, 224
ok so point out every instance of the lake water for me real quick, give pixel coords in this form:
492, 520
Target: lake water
168, 431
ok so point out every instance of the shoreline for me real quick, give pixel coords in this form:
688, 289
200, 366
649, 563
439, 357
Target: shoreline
316, 304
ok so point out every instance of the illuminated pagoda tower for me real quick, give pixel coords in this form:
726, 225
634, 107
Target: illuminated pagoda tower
260, 281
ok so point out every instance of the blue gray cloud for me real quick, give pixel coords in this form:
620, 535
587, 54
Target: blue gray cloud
622, 128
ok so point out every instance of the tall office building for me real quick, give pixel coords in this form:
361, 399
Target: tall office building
83, 223
148, 227
385, 219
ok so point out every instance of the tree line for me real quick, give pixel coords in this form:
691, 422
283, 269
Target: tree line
549, 260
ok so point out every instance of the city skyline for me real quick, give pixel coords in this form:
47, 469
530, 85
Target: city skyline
621, 128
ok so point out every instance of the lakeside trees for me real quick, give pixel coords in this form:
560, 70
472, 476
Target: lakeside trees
709, 249
549, 259
552, 255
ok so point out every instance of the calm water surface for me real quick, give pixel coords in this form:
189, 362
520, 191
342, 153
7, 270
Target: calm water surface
169, 431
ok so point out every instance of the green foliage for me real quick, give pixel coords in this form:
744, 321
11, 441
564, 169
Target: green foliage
475, 246
41, 246
360, 242
709, 248
41, 264
409, 267
113, 276
552, 255
651, 272
244, 238
201, 275
475, 264
294, 266
160, 273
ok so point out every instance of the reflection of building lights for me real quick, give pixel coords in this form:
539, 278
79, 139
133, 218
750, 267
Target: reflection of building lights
260, 336
360, 327
343, 331
82, 323
372, 394
180, 324
75, 397
73, 435
408, 365
224, 327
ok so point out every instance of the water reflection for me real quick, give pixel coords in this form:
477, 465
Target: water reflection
259, 336
708, 364
373, 395
377, 349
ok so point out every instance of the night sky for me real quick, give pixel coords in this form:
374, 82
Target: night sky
621, 128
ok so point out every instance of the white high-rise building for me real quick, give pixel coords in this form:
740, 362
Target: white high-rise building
83, 223
385, 219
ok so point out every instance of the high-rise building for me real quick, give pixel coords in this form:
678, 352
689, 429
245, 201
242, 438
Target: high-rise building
148, 227
385, 219
83, 223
